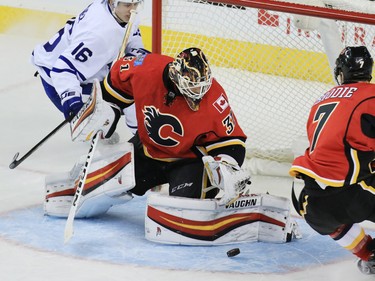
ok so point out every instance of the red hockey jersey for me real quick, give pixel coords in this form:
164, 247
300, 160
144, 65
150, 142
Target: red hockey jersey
341, 133
171, 132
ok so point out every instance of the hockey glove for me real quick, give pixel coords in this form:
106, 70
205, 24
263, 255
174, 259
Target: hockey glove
71, 102
224, 173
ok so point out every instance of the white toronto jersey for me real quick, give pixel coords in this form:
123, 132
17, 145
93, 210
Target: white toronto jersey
84, 49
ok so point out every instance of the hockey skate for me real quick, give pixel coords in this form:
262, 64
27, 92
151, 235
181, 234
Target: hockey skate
367, 267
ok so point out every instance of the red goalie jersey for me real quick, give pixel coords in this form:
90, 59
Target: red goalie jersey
167, 127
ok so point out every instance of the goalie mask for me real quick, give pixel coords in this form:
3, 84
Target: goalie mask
354, 64
191, 74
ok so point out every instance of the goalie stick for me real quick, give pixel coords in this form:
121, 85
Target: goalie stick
78, 194
69, 226
129, 27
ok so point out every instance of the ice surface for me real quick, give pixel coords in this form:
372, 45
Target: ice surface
114, 247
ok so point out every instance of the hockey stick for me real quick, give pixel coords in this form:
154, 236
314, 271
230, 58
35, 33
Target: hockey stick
16, 162
77, 196
128, 30
69, 226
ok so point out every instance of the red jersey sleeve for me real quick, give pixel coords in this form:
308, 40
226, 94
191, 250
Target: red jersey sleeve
118, 82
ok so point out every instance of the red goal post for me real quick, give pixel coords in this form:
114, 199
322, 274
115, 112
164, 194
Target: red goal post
270, 56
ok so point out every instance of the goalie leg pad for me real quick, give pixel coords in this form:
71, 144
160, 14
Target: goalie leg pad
100, 204
61, 186
110, 178
186, 221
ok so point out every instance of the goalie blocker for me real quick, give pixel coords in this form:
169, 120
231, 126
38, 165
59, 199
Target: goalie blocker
251, 218
95, 115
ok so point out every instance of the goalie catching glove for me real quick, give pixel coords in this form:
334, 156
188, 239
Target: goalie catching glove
95, 115
225, 174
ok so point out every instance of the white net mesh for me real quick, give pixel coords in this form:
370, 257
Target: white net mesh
271, 70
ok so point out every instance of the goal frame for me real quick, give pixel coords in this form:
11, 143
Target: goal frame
272, 5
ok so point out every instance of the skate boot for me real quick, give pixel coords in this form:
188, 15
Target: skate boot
367, 267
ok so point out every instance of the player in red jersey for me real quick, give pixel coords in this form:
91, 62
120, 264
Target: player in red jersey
338, 167
188, 136
183, 114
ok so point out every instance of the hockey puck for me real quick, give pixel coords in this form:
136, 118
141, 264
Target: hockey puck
233, 252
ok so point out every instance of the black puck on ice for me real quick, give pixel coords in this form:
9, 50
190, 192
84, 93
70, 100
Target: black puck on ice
233, 252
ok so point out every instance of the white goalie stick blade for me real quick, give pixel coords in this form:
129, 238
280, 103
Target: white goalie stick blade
68, 233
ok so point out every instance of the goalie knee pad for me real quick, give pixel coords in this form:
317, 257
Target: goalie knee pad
110, 177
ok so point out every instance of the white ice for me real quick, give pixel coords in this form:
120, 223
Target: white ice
26, 117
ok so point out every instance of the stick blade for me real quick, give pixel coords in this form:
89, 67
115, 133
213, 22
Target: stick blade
68, 233
14, 161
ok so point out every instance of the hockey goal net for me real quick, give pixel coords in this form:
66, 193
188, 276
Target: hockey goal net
269, 57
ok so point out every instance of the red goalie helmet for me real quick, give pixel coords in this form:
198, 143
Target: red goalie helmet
191, 73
